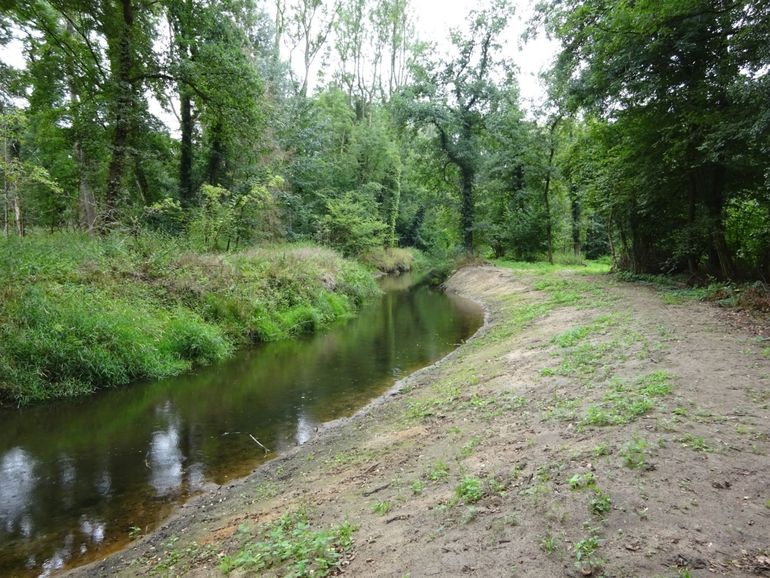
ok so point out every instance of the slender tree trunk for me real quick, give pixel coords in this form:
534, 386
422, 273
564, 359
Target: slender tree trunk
17, 216
186, 148
86, 199
6, 189
692, 264
610, 239
11, 154
575, 210
394, 205
216, 155
466, 217
123, 111
710, 181
546, 199
141, 180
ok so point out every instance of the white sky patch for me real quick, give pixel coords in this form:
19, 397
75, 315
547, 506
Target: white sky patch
436, 17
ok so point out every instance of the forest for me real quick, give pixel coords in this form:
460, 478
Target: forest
652, 147
152, 142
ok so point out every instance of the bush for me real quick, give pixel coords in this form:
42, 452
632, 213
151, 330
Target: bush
349, 225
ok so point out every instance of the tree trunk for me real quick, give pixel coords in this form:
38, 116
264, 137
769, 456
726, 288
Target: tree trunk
466, 217
710, 181
575, 209
186, 148
141, 180
123, 111
546, 199
86, 199
216, 155
548, 226
17, 217
611, 240
692, 264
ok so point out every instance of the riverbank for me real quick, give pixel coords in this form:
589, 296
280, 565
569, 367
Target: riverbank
79, 313
591, 428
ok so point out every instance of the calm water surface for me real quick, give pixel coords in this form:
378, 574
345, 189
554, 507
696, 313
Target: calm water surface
76, 477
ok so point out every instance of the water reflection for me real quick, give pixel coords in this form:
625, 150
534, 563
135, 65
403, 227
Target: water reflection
165, 462
17, 482
75, 477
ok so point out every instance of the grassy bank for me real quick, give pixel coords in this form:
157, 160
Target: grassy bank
79, 313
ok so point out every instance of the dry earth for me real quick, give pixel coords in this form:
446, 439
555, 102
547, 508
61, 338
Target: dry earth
590, 428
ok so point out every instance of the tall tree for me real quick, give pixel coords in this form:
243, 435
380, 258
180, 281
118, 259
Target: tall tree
456, 95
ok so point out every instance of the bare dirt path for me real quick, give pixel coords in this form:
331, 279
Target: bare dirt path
589, 429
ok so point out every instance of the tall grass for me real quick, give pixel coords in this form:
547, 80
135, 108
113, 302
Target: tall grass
79, 313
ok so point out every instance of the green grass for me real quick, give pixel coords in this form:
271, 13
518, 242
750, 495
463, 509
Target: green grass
79, 313
574, 336
695, 443
382, 508
600, 503
395, 260
417, 487
292, 546
548, 543
626, 402
438, 471
582, 481
542, 267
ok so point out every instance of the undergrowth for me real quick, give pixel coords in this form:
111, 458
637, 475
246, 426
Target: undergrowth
79, 313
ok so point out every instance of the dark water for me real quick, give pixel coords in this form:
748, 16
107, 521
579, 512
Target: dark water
76, 477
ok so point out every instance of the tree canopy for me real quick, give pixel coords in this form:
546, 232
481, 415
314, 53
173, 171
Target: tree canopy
332, 120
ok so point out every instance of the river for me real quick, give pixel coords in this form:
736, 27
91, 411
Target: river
82, 478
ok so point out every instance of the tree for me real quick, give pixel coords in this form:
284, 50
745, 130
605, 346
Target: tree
457, 94
672, 73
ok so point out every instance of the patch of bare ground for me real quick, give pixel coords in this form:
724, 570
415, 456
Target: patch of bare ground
589, 429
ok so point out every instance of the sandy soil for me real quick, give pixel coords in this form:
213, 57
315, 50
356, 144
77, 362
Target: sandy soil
607, 433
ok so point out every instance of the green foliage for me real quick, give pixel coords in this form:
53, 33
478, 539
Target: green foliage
671, 159
624, 403
81, 313
291, 545
417, 487
582, 481
382, 508
226, 221
601, 503
349, 225
586, 548
470, 490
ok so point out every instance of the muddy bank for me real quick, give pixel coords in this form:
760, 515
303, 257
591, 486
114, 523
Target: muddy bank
587, 429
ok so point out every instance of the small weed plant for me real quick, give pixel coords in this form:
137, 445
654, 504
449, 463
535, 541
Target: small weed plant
470, 490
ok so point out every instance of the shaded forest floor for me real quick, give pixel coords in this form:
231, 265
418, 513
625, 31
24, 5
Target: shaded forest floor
591, 428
